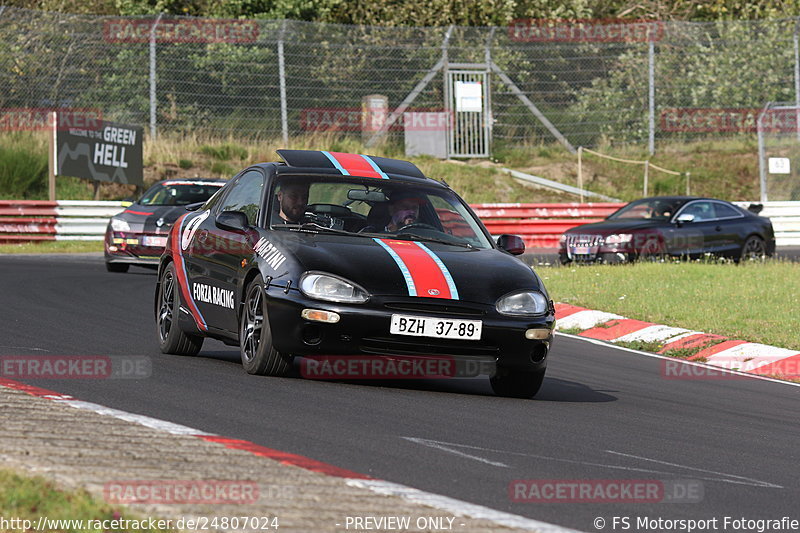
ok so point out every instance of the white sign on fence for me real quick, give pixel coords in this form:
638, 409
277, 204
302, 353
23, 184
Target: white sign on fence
469, 96
779, 165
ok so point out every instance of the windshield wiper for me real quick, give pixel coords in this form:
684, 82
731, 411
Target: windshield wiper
313, 227
414, 236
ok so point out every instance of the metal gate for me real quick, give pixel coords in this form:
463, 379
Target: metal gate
468, 102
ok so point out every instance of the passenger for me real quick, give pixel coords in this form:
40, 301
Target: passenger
404, 209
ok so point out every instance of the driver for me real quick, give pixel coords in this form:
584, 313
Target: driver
403, 209
292, 200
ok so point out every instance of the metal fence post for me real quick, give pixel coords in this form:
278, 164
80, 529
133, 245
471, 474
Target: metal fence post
646, 176
651, 99
580, 170
153, 102
797, 79
282, 75
762, 170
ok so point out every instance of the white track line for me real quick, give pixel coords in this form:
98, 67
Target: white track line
682, 361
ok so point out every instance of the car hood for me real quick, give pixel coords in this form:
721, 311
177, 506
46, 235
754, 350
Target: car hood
142, 218
607, 227
390, 267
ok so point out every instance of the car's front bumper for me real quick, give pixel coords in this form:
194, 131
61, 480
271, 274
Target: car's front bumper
363, 330
128, 248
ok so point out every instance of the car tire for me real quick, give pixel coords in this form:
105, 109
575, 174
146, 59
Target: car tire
753, 249
653, 251
259, 357
171, 338
117, 267
517, 384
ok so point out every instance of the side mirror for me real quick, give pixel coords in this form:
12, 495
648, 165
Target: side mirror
512, 244
684, 218
232, 221
195, 206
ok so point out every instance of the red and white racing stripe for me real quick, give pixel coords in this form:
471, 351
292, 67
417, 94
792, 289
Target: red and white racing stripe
183, 278
424, 272
355, 165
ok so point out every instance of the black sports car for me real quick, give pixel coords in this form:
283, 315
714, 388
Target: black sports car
678, 226
137, 236
358, 265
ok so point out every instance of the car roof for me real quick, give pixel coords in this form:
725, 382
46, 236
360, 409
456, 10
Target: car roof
347, 164
192, 181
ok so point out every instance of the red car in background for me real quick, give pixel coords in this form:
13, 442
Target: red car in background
137, 236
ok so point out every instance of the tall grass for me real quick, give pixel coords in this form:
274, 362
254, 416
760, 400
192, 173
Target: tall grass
23, 166
748, 301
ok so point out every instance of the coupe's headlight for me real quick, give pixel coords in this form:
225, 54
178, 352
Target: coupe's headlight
331, 288
118, 224
522, 303
619, 238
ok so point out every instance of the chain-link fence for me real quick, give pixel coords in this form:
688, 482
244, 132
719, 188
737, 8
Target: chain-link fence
647, 84
779, 152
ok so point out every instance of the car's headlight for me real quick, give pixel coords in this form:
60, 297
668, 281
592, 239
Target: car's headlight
522, 303
118, 224
619, 238
331, 288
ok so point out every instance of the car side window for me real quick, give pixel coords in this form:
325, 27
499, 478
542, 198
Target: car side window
245, 196
726, 211
700, 210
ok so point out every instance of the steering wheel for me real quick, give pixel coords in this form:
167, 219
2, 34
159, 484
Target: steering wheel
418, 225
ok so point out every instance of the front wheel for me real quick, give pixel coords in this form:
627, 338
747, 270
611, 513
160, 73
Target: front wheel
255, 337
517, 384
171, 338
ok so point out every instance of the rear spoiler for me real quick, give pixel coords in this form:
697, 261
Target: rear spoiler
755, 208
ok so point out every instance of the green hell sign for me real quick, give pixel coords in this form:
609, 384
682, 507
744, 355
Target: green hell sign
101, 151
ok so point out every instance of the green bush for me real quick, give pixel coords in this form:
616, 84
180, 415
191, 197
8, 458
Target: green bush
224, 152
221, 169
23, 166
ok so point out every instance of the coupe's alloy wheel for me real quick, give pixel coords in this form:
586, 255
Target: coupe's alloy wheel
253, 323
259, 356
754, 249
165, 307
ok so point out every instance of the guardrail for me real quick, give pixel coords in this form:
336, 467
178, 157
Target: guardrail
539, 225
69, 220
785, 217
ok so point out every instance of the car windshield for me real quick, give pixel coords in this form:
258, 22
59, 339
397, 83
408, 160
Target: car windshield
363, 209
179, 193
649, 209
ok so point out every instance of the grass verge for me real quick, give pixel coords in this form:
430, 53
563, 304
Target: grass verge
52, 247
29, 498
754, 302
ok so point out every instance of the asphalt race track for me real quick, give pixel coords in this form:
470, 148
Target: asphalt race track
603, 413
